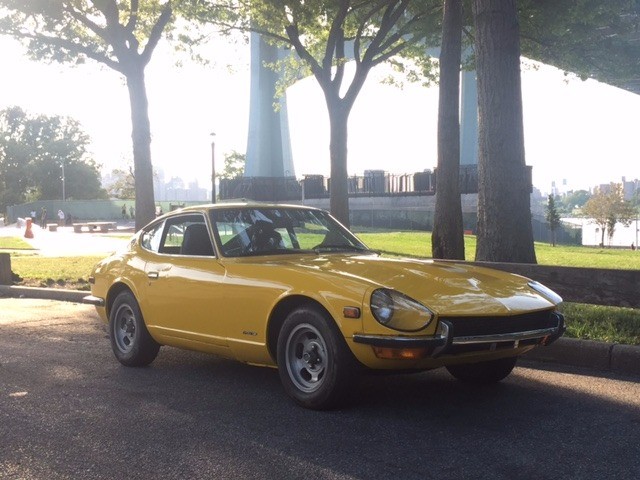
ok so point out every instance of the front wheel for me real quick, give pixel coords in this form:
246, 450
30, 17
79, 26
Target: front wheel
483, 373
315, 365
130, 340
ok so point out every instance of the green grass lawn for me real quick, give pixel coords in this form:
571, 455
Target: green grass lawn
608, 324
67, 272
418, 244
10, 243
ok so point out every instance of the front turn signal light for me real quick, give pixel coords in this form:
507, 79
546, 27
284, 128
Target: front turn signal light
400, 353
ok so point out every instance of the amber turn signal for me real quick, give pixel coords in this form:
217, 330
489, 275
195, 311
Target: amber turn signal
400, 353
351, 312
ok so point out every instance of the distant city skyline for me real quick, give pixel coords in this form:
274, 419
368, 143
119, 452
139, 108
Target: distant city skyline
584, 132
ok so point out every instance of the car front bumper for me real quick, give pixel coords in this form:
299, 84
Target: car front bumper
446, 342
93, 300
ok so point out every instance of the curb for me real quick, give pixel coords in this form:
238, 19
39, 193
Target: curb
59, 294
611, 357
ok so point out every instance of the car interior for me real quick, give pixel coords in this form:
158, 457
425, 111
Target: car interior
196, 241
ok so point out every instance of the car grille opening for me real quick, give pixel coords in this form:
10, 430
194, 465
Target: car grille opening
470, 326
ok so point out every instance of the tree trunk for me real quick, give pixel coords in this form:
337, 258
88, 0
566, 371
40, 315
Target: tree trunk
447, 240
141, 136
505, 233
339, 194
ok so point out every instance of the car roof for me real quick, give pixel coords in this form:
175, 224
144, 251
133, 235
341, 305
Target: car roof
239, 204
236, 204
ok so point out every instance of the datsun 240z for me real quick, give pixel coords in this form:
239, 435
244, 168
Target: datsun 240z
291, 288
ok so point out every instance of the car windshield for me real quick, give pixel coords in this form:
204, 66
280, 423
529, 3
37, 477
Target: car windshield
245, 231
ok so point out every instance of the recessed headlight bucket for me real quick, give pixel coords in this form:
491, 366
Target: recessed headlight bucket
398, 311
546, 292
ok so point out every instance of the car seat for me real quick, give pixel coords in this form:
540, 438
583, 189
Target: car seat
196, 241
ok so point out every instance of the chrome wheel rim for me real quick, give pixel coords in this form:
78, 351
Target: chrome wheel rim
124, 328
306, 357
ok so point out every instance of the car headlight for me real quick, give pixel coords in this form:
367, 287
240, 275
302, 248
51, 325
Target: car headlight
395, 310
546, 292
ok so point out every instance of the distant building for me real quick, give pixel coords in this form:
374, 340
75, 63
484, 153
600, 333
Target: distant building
175, 190
630, 188
559, 188
623, 235
165, 191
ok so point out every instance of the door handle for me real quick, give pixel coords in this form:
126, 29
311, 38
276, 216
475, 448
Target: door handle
153, 275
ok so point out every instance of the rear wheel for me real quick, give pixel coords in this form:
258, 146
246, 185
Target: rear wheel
130, 340
316, 367
483, 372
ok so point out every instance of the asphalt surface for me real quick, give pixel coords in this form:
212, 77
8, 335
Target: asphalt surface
66, 243
68, 410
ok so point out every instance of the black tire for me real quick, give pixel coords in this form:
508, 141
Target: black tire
484, 373
130, 340
317, 369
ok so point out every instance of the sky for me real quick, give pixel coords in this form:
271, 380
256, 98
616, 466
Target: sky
583, 132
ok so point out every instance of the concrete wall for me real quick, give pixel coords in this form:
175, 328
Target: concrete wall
82, 210
415, 212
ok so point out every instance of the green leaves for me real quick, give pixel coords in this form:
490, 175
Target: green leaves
587, 37
113, 32
234, 163
32, 152
608, 207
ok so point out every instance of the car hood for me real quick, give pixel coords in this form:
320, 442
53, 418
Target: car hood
445, 287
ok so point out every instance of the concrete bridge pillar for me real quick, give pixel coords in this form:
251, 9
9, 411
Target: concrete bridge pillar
469, 119
269, 172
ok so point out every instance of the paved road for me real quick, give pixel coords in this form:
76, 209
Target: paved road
69, 410
66, 243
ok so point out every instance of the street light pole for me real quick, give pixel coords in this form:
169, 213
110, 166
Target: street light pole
63, 181
637, 229
213, 168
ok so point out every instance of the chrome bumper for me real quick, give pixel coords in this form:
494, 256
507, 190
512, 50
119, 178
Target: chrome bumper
445, 338
92, 300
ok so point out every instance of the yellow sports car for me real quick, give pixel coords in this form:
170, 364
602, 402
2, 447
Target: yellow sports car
289, 287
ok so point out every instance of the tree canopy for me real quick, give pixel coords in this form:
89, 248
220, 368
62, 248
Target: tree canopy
573, 200
121, 34
234, 163
122, 184
590, 38
33, 150
607, 208
552, 217
325, 35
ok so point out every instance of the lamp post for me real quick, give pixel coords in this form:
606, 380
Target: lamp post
63, 181
637, 229
213, 168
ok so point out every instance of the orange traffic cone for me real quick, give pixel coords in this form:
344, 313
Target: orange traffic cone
28, 233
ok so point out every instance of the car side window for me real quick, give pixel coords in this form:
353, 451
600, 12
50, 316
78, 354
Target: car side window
150, 239
187, 235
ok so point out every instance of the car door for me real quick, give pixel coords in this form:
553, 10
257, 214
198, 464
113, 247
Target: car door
182, 293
